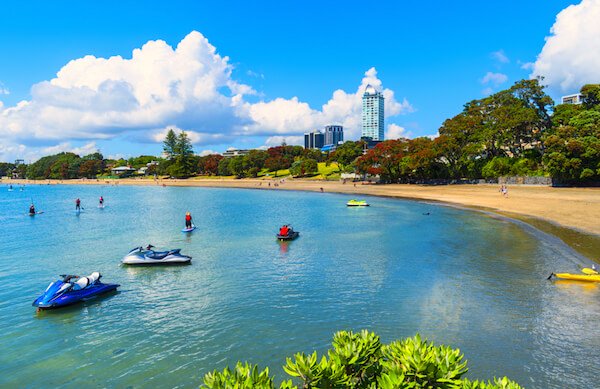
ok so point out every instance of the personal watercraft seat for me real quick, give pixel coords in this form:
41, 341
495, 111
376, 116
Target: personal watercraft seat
161, 254
84, 282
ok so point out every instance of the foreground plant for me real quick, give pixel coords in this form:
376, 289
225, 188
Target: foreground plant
359, 360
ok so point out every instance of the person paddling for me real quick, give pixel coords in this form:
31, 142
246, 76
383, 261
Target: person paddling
78, 205
188, 220
101, 201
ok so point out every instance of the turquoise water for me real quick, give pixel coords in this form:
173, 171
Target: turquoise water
457, 277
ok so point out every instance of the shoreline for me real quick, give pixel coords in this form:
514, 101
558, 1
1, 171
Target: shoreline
571, 214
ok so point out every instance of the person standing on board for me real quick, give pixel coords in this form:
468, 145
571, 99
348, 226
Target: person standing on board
32, 209
101, 201
78, 204
188, 220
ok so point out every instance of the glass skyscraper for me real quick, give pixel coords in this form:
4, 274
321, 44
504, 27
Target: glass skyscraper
372, 114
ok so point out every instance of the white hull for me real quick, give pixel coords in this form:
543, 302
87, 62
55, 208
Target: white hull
137, 260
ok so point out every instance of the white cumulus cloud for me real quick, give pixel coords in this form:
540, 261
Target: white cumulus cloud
187, 87
570, 57
395, 131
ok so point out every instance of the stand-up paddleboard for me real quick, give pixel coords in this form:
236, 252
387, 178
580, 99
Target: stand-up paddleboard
78, 211
189, 229
37, 213
101, 206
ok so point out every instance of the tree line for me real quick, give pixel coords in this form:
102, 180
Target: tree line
518, 131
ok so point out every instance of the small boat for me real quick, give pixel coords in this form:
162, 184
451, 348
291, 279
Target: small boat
291, 235
147, 256
72, 289
192, 228
357, 203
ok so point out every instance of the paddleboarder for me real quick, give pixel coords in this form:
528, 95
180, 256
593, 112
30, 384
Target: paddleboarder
188, 220
78, 204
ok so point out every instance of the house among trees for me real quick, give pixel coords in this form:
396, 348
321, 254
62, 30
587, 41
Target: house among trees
122, 171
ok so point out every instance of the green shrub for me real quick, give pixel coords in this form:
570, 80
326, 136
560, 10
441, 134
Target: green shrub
360, 361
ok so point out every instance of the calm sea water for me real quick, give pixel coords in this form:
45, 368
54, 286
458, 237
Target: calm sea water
457, 277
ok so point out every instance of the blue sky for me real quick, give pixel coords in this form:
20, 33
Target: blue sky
432, 57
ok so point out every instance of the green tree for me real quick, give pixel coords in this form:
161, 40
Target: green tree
237, 166
590, 96
170, 144
223, 168
303, 167
346, 154
180, 153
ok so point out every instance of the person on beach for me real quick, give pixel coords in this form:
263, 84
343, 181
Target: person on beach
321, 189
188, 220
101, 201
78, 205
32, 209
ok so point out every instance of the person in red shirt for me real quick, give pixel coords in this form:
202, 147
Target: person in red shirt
188, 220
284, 231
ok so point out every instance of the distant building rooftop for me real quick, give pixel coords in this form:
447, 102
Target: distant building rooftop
571, 99
232, 152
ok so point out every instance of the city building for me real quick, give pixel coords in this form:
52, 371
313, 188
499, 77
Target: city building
233, 152
314, 140
334, 134
372, 114
572, 99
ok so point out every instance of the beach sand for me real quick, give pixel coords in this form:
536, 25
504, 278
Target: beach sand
571, 214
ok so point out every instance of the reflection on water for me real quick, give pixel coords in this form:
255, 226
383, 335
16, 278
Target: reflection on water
455, 276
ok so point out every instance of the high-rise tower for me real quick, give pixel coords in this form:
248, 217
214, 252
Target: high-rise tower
372, 114
334, 134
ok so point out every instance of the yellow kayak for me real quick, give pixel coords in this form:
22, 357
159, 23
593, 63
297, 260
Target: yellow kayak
578, 277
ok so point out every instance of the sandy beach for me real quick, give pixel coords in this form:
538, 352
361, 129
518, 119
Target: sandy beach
574, 208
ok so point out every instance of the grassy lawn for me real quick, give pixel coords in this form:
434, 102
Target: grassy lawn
330, 172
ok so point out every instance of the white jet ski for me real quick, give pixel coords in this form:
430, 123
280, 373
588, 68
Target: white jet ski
148, 256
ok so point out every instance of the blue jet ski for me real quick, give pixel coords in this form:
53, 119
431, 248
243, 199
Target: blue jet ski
72, 289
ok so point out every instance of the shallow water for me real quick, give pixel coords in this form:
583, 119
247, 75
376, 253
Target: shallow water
457, 277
